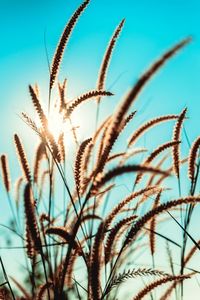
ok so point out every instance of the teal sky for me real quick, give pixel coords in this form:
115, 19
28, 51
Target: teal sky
152, 26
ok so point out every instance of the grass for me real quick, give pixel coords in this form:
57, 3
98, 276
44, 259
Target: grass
80, 248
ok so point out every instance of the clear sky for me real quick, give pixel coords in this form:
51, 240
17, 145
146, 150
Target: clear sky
151, 27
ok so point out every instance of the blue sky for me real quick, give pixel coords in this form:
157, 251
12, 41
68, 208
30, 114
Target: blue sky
151, 27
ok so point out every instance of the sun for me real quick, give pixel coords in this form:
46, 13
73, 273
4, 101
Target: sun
56, 123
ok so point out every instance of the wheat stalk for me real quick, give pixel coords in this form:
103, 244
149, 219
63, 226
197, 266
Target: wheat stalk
63, 42
157, 283
149, 124
156, 211
43, 289
153, 226
40, 153
192, 159
71, 107
176, 137
5, 172
63, 233
122, 277
112, 235
107, 57
105, 178
61, 89
153, 155
61, 145
95, 268
31, 221
78, 163
115, 211
22, 158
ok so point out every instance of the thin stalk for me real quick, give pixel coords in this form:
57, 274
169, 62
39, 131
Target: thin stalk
6, 278
12, 211
45, 272
189, 212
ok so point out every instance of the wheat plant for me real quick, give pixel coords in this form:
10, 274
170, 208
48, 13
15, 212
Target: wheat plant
81, 247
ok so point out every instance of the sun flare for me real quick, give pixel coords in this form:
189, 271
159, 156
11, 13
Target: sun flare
56, 124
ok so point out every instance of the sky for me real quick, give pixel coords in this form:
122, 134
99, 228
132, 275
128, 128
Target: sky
151, 27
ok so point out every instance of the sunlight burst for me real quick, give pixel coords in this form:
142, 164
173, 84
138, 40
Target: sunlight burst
56, 124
